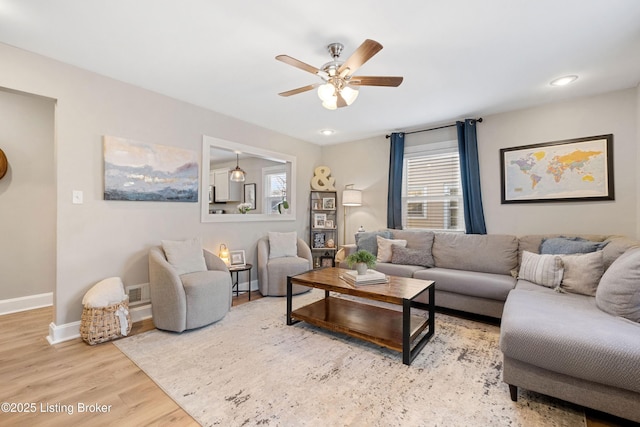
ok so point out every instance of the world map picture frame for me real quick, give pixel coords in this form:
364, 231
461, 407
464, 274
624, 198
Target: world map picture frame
570, 170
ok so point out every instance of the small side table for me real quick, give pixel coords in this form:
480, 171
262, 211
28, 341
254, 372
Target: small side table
237, 270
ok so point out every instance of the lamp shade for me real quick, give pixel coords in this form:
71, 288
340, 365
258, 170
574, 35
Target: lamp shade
351, 197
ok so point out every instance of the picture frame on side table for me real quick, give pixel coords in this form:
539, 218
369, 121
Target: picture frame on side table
571, 170
237, 259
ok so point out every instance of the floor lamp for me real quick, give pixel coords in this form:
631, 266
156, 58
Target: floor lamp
350, 197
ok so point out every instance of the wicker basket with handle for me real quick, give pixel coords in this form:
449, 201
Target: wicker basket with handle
100, 324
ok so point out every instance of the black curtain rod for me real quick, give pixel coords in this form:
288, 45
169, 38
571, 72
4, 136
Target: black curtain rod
427, 130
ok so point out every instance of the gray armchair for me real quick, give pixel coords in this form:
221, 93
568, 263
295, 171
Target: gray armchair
191, 300
272, 273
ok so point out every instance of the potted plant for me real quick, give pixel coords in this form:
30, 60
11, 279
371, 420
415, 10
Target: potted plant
282, 205
362, 260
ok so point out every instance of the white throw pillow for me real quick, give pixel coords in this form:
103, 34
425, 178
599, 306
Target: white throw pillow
283, 244
185, 256
545, 270
385, 249
582, 272
104, 293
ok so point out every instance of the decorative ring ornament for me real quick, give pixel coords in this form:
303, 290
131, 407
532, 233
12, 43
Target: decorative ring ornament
4, 164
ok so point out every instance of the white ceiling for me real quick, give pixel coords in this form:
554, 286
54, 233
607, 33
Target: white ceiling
459, 58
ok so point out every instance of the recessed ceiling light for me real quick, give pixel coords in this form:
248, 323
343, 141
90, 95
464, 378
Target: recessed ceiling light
563, 81
327, 132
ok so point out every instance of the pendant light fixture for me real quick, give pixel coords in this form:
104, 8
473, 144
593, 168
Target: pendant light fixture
237, 175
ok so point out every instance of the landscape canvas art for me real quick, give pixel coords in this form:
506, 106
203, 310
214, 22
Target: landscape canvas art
149, 172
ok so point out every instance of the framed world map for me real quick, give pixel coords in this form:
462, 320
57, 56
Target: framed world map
570, 170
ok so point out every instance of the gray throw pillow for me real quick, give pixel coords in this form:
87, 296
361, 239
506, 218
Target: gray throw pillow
569, 245
582, 272
368, 240
408, 256
619, 289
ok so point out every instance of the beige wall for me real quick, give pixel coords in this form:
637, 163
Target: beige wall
100, 238
615, 112
365, 164
27, 196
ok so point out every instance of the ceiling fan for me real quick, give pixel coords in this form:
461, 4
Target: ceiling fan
340, 87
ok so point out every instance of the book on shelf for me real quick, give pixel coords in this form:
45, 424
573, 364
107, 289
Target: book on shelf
371, 277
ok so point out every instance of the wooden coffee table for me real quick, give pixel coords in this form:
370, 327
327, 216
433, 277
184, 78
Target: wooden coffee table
397, 330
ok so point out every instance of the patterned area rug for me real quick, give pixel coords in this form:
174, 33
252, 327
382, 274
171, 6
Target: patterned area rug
252, 369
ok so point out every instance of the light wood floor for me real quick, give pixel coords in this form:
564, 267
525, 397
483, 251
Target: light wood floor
56, 378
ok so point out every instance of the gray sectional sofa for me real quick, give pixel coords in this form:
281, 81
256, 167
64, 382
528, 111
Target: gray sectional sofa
555, 342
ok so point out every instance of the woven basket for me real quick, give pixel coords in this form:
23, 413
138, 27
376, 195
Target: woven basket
100, 324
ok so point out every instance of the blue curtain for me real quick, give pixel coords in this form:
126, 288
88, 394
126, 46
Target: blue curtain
394, 198
470, 175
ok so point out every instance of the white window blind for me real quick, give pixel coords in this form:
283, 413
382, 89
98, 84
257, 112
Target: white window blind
432, 192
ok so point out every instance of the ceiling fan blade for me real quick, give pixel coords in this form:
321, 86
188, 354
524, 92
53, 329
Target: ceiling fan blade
375, 81
298, 64
298, 90
362, 54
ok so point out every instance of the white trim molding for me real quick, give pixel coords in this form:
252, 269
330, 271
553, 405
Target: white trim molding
62, 333
30, 302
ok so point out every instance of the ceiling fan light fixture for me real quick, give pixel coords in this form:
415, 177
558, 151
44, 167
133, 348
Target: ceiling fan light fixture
326, 92
331, 104
349, 94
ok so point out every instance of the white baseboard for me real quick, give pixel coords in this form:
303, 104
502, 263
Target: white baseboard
140, 313
15, 305
62, 333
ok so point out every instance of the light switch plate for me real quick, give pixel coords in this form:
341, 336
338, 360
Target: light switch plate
77, 197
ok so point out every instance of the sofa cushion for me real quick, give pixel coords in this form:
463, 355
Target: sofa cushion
400, 270
616, 246
487, 253
418, 240
283, 244
566, 333
186, 256
619, 289
545, 270
482, 285
569, 245
402, 255
368, 240
385, 248
582, 272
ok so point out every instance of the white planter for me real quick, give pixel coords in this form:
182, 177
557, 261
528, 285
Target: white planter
361, 268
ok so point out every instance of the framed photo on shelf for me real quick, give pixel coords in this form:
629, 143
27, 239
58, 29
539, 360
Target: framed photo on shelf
572, 170
329, 203
236, 259
326, 261
328, 223
319, 220
318, 240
